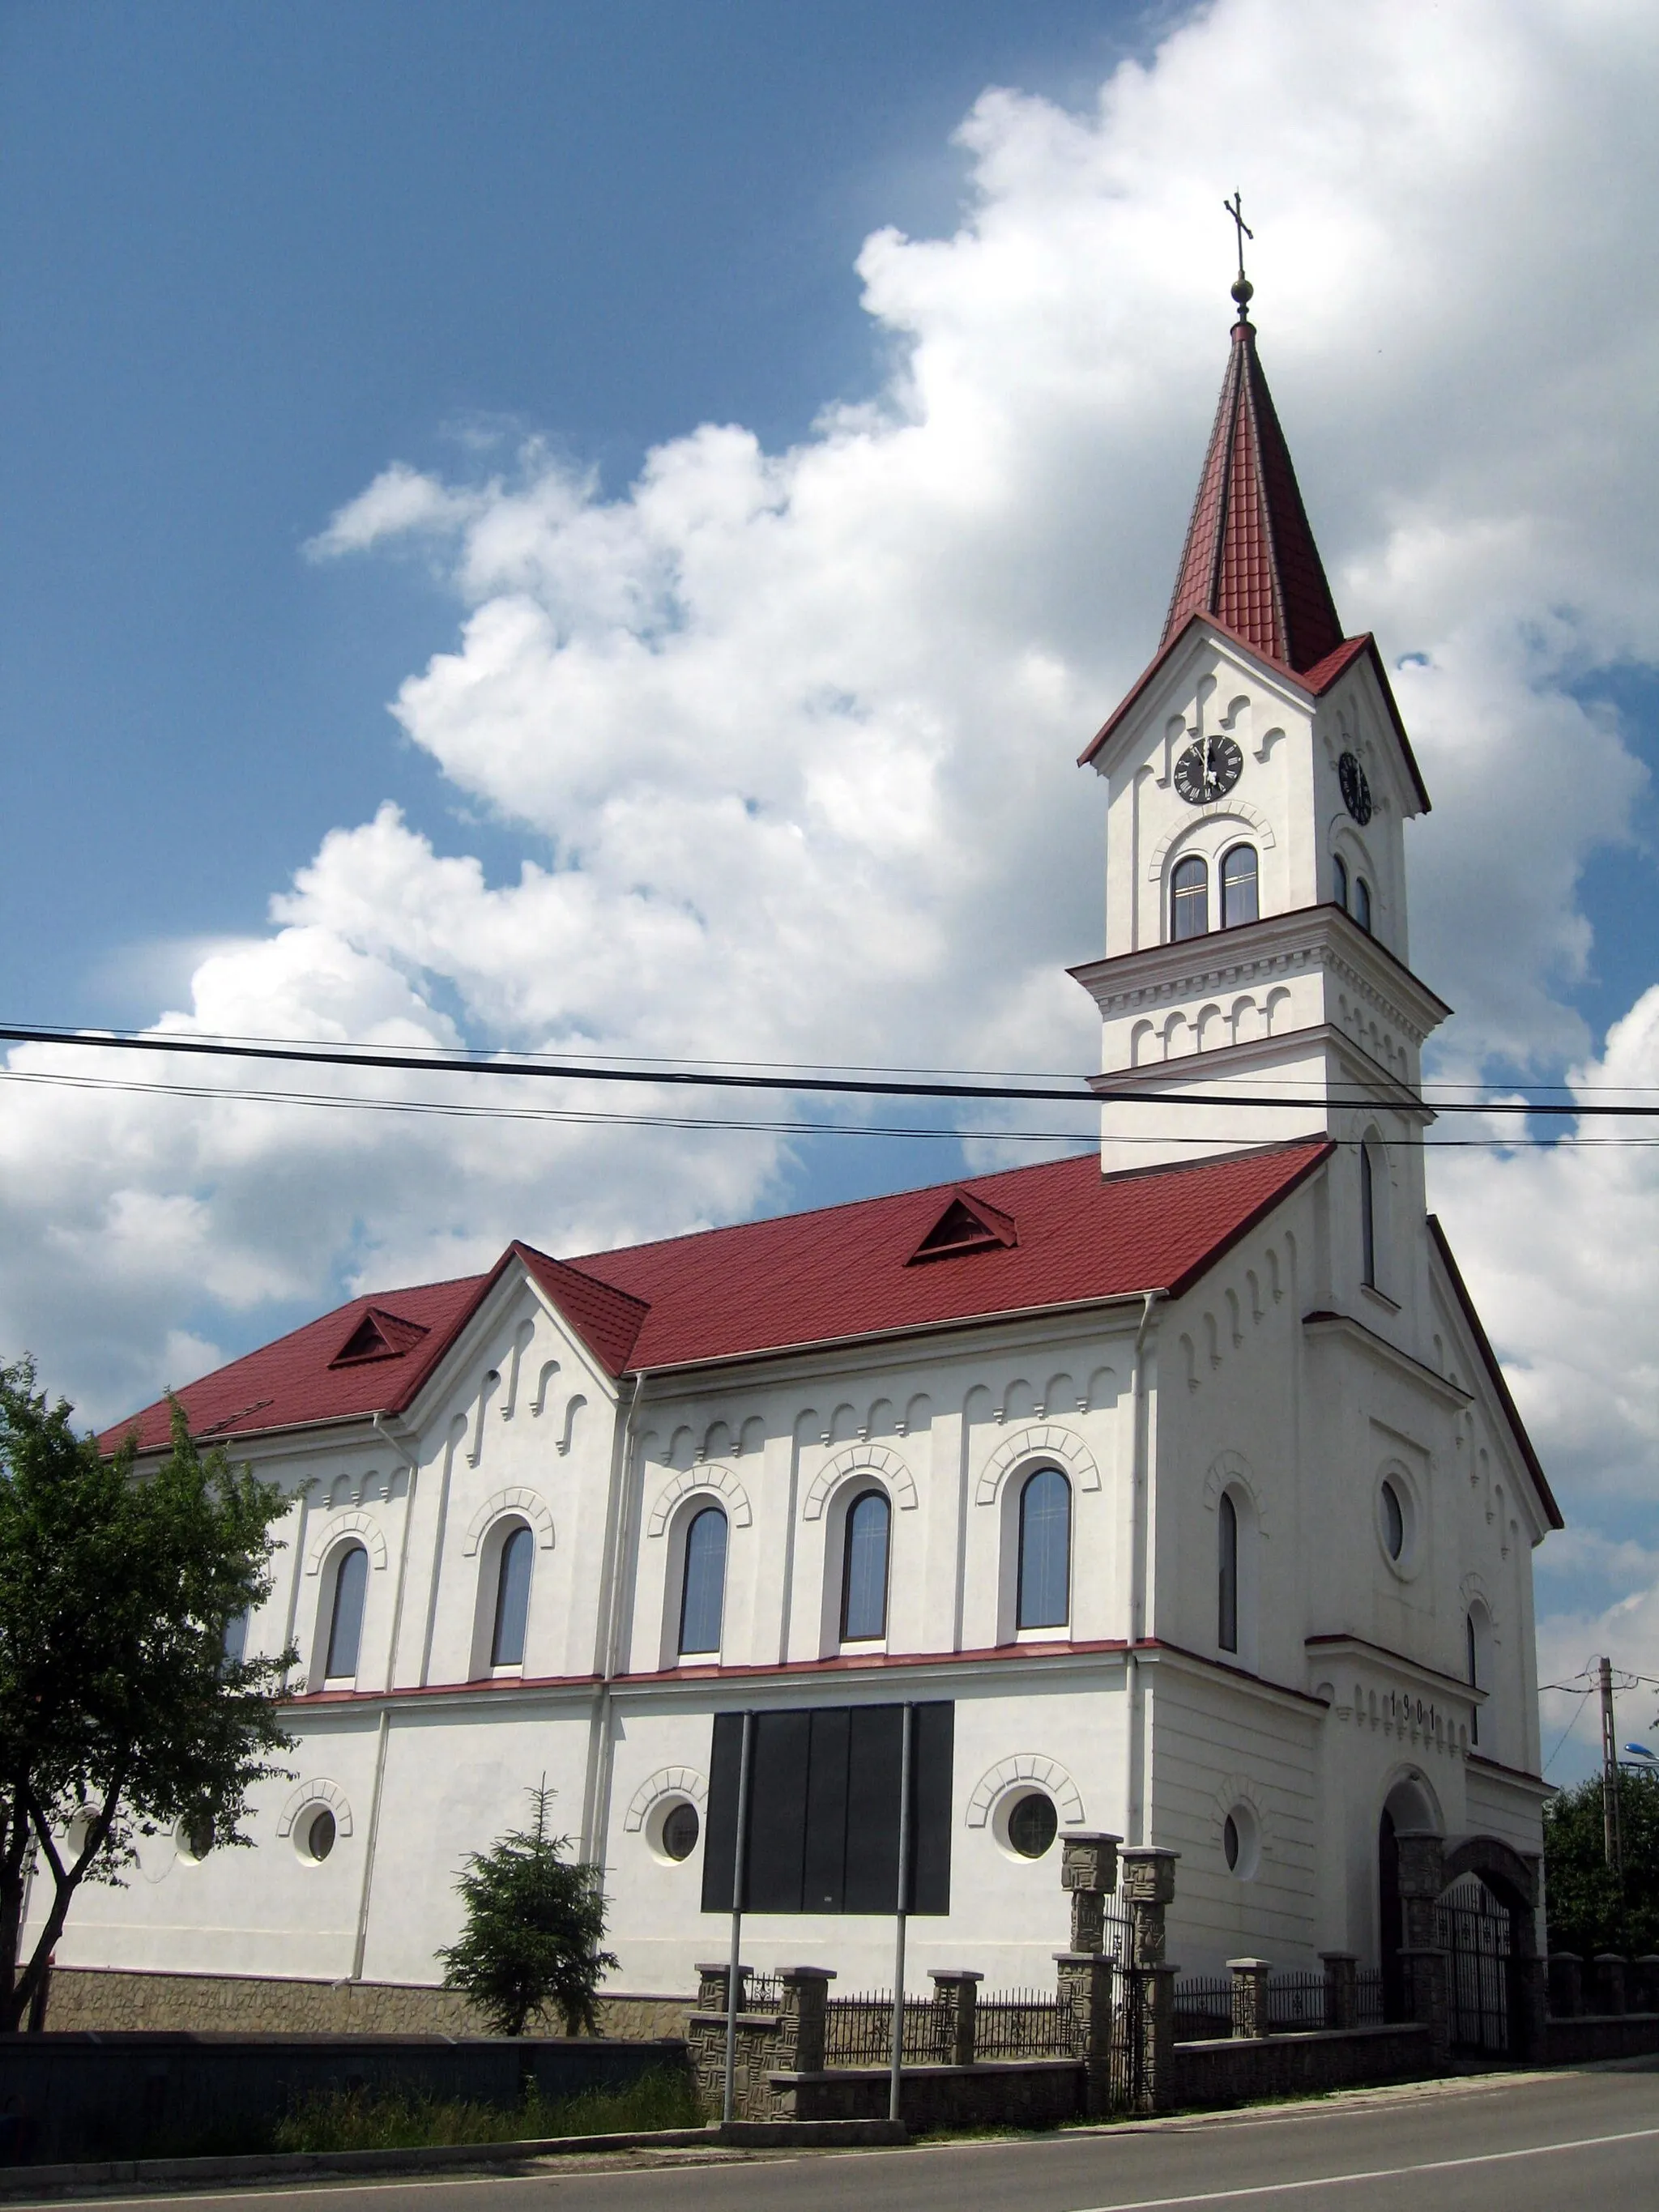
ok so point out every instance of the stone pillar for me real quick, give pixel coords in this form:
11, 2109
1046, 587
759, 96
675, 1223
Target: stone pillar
1528, 1997
1341, 1998
1609, 1972
956, 2004
1085, 1985
805, 2015
1566, 1982
711, 1986
1645, 1973
1088, 1870
1422, 1878
1148, 1878
1250, 1996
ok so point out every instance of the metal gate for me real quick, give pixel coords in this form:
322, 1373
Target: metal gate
1130, 1986
1473, 1927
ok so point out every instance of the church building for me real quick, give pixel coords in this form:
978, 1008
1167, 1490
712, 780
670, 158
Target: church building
1178, 1489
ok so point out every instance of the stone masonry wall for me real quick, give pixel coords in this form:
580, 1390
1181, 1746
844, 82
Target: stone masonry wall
247, 2004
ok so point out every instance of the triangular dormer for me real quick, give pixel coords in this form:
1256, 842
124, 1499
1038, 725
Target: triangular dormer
966, 1223
378, 1335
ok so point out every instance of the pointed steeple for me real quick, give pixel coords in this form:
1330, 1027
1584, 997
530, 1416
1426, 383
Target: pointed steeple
1250, 560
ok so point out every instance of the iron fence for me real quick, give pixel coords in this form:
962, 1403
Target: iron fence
1296, 2003
1023, 2024
763, 1993
1203, 2007
1368, 1996
858, 2030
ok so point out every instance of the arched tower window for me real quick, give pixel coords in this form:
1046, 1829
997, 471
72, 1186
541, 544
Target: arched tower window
345, 1625
1362, 904
1339, 880
1190, 899
1239, 900
1045, 1551
1476, 1640
1367, 1218
512, 1599
703, 1593
864, 1570
1226, 1634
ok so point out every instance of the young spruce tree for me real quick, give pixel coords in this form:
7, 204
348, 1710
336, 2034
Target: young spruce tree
534, 1922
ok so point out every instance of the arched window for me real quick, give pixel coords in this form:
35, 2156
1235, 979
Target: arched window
512, 1599
1367, 1219
1362, 904
1226, 1634
1339, 880
1238, 887
1478, 1640
864, 1573
1045, 1550
346, 1627
235, 1648
703, 1593
1474, 1675
1190, 899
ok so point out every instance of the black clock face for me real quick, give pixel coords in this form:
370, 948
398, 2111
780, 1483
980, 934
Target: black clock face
1356, 792
1208, 769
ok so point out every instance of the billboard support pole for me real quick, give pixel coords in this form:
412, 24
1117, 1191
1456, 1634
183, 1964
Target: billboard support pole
739, 1869
904, 1901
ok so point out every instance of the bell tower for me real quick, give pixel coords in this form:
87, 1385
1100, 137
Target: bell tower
1259, 779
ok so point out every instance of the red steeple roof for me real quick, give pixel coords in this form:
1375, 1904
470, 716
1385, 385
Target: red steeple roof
1250, 561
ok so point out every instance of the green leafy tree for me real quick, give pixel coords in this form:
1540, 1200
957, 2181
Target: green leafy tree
120, 1714
1590, 1908
534, 1923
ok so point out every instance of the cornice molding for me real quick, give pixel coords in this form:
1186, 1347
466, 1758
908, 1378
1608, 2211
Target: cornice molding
1324, 1322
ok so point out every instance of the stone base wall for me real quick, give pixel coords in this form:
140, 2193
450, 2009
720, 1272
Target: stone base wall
1235, 2072
1580, 2042
1020, 2092
110, 2001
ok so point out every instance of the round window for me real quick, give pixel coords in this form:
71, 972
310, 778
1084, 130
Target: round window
1393, 1521
198, 1835
1229, 1843
320, 1835
680, 1831
1241, 1841
1032, 1825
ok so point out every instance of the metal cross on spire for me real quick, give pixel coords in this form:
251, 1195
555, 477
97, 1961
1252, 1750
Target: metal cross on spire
1243, 289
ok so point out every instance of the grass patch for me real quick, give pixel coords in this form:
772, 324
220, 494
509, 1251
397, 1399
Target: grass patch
362, 2119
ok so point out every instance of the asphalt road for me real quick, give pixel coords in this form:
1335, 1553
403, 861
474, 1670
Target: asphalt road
1534, 2143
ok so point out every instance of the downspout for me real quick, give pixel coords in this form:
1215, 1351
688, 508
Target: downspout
384, 1734
598, 1810
1134, 1722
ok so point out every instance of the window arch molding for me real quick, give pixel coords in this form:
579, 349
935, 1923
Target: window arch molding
666, 1781
710, 1484
334, 1533
886, 1467
529, 1506
1025, 1769
1230, 1470
1214, 827
320, 1791
1018, 1454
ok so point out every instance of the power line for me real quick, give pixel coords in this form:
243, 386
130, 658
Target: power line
595, 1117
728, 1079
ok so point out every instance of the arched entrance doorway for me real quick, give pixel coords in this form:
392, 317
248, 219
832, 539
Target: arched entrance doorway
1483, 1922
1408, 1807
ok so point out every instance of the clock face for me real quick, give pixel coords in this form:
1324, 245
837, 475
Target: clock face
1356, 792
1208, 769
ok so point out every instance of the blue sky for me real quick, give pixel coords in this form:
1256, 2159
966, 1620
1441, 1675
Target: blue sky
252, 253
267, 268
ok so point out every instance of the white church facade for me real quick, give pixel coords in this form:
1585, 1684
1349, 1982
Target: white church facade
1184, 1476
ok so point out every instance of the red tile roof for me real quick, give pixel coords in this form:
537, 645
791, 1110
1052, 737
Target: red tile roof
834, 1274
1251, 558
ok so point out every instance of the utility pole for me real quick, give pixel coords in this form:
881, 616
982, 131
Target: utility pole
1612, 1841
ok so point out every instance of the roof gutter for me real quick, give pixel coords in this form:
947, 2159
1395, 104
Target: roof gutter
1134, 1810
601, 1750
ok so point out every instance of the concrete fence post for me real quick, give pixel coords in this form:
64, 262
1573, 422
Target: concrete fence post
1149, 1881
1566, 1984
1084, 1979
711, 1986
1610, 1993
1422, 1955
1341, 1989
956, 2006
1644, 1993
1088, 1871
805, 2015
1249, 1997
